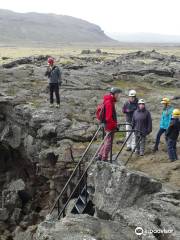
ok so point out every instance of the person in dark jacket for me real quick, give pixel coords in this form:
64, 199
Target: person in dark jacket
128, 109
110, 122
54, 76
141, 122
172, 135
176, 98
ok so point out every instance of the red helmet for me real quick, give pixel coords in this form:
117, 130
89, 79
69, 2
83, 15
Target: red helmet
50, 60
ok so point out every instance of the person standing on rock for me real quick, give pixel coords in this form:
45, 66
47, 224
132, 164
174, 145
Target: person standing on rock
165, 121
176, 98
110, 122
142, 122
128, 109
54, 76
172, 135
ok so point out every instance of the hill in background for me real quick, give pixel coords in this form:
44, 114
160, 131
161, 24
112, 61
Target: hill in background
47, 29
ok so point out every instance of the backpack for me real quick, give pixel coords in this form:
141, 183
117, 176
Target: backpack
101, 113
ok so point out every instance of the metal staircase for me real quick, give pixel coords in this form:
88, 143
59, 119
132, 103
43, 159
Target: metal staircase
81, 191
82, 201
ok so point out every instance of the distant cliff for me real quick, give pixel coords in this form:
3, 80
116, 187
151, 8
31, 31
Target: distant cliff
47, 29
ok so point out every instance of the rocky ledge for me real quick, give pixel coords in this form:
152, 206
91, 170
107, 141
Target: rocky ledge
124, 200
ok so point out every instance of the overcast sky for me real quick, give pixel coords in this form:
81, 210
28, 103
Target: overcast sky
155, 16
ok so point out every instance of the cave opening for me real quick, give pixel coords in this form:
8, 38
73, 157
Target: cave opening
13, 167
12, 163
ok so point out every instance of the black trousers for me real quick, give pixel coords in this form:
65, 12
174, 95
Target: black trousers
54, 88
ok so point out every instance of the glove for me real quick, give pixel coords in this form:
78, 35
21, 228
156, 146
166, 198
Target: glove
126, 110
102, 125
143, 135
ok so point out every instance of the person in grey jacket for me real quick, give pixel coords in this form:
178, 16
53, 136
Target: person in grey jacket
54, 78
176, 98
142, 122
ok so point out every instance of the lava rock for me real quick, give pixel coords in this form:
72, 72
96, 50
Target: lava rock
4, 214
116, 187
83, 227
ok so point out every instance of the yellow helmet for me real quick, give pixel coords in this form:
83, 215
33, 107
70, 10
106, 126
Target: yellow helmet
176, 113
165, 101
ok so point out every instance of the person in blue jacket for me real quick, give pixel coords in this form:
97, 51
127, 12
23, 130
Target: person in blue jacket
165, 121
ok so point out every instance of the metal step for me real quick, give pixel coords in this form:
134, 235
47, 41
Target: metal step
81, 202
80, 208
83, 199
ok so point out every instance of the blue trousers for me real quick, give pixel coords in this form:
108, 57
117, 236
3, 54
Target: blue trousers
158, 137
171, 146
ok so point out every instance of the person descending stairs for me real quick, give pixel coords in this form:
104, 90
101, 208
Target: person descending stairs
106, 114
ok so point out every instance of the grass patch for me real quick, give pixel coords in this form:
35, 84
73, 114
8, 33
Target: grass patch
140, 86
12, 91
66, 62
34, 103
145, 61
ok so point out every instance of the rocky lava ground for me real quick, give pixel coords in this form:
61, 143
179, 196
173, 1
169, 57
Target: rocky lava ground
40, 146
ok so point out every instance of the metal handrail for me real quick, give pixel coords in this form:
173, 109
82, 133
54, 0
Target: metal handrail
126, 140
57, 201
82, 177
141, 135
86, 170
75, 170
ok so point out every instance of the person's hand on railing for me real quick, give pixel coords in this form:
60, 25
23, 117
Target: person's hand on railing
117, 128
142, 135
102, 125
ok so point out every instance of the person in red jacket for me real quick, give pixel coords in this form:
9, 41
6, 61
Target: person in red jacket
110, 123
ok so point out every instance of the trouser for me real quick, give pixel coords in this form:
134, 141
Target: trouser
158, 137
171, 147
54, 88
131, 143
140, 144
106, 147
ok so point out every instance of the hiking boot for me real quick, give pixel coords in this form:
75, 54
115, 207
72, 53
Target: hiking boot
172, 160
105, 160
137, 153
98, 158
128, 149
155, 149
141, 154
51, 105
57, 105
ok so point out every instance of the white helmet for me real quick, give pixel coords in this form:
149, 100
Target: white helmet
141, 101
132, 93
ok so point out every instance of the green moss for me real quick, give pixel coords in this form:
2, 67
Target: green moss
120, 135
66, 62
11, 91
35, 103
